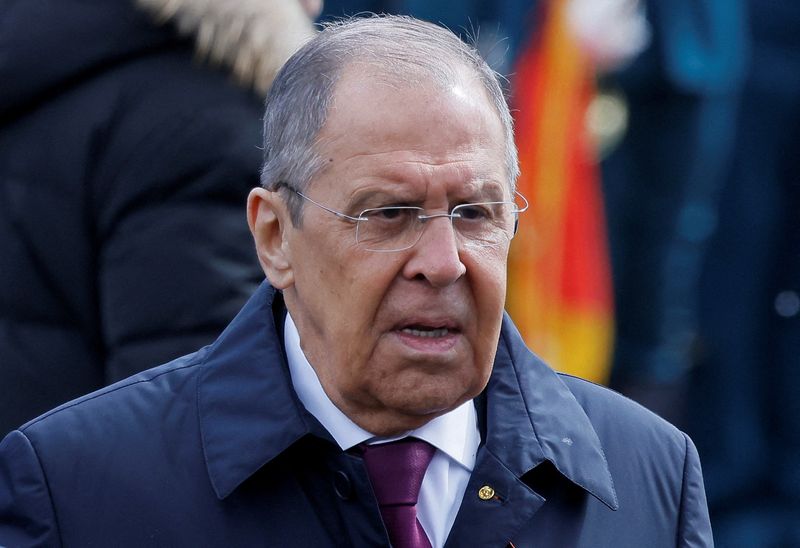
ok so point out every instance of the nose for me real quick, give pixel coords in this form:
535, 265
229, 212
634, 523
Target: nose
436, 257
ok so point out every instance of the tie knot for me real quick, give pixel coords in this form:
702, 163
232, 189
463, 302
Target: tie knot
396, 469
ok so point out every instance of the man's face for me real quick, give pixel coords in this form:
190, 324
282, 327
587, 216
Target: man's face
399, 338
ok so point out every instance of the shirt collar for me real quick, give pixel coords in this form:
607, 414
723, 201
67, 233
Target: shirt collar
455, 433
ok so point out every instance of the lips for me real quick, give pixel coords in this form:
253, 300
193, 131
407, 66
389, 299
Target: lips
431, 335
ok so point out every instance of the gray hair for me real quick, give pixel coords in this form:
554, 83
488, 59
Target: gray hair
396, 46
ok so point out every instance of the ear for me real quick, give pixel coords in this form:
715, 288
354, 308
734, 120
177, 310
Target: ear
269, 223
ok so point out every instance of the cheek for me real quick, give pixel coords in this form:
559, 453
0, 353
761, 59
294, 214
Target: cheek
326, 274
488, 270
489, 290
357, 290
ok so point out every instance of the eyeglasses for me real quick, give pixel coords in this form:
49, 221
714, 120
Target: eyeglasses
397, 228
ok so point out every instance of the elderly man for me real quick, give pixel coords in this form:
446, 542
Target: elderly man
373, 392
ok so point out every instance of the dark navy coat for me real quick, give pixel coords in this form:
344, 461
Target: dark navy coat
124, 168
215, 449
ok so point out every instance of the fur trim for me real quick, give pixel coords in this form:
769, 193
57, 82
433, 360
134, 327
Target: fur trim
252, 38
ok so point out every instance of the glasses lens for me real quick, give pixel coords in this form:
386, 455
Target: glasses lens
485, 224
388, 228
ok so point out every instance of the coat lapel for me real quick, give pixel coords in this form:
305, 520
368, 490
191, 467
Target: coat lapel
530, 418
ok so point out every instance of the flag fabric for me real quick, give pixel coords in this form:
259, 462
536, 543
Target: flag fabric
560, 293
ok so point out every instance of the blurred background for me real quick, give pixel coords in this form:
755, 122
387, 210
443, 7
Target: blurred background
660, 151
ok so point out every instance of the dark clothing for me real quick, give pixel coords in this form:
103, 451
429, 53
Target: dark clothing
661, 183
215, 449
744, 405
124, 168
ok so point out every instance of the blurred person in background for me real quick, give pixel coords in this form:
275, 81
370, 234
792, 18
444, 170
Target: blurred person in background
745, 391
129, 138
703, 203
676, 109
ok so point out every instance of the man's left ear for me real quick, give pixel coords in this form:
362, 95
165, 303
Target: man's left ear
268, 219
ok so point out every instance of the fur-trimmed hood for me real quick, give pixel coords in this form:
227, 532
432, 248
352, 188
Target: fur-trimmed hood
252, 38
49, 45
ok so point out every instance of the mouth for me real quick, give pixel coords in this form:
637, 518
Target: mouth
428, 335
426, 331
428, 327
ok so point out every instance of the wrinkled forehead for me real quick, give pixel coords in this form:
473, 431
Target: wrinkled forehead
440, 88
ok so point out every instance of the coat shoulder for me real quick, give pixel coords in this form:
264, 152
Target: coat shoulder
138, 400
655, 466
636, 442
609, 410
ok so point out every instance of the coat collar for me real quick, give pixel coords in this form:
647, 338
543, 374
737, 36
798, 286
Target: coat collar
249, 413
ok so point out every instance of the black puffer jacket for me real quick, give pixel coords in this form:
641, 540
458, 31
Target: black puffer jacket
124, 169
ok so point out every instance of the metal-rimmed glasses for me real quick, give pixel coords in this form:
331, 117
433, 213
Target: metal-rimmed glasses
397, 228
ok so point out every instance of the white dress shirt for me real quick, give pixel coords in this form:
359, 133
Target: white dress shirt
455, 436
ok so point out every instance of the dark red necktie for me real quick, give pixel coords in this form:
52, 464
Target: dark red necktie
396, 470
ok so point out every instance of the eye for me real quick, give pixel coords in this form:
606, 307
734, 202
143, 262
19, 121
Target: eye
474, 212
390, 214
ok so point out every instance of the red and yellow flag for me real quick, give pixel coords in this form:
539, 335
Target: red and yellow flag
559, 275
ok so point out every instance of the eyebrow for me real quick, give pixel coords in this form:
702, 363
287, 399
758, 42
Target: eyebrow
379, 197
489, 192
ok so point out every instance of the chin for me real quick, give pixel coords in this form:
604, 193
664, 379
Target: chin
431, 404
401, 415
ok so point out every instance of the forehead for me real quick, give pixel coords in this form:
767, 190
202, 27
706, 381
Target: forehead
412, 130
